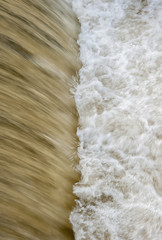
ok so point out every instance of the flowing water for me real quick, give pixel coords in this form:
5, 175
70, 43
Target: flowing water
119, 101
38, 57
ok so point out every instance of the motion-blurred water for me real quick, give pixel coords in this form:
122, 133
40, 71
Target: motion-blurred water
38, 57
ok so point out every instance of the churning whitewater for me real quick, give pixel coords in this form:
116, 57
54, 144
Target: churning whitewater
119, 101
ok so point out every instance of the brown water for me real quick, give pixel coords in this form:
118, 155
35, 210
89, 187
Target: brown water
38, 56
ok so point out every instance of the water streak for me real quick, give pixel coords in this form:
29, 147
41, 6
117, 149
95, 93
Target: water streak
38, 56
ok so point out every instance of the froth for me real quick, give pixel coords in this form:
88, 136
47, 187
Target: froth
120, 121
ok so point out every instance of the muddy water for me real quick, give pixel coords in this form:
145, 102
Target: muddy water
38, 57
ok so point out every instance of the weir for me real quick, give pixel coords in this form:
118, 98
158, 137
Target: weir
38, 120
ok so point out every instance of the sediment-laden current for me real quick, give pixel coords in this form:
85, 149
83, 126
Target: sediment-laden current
38, 57
119, 101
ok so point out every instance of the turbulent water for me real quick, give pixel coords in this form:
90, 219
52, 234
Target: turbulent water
119, 101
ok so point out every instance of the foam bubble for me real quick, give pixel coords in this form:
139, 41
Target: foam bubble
119, 102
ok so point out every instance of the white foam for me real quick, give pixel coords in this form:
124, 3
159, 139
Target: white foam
119, 101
